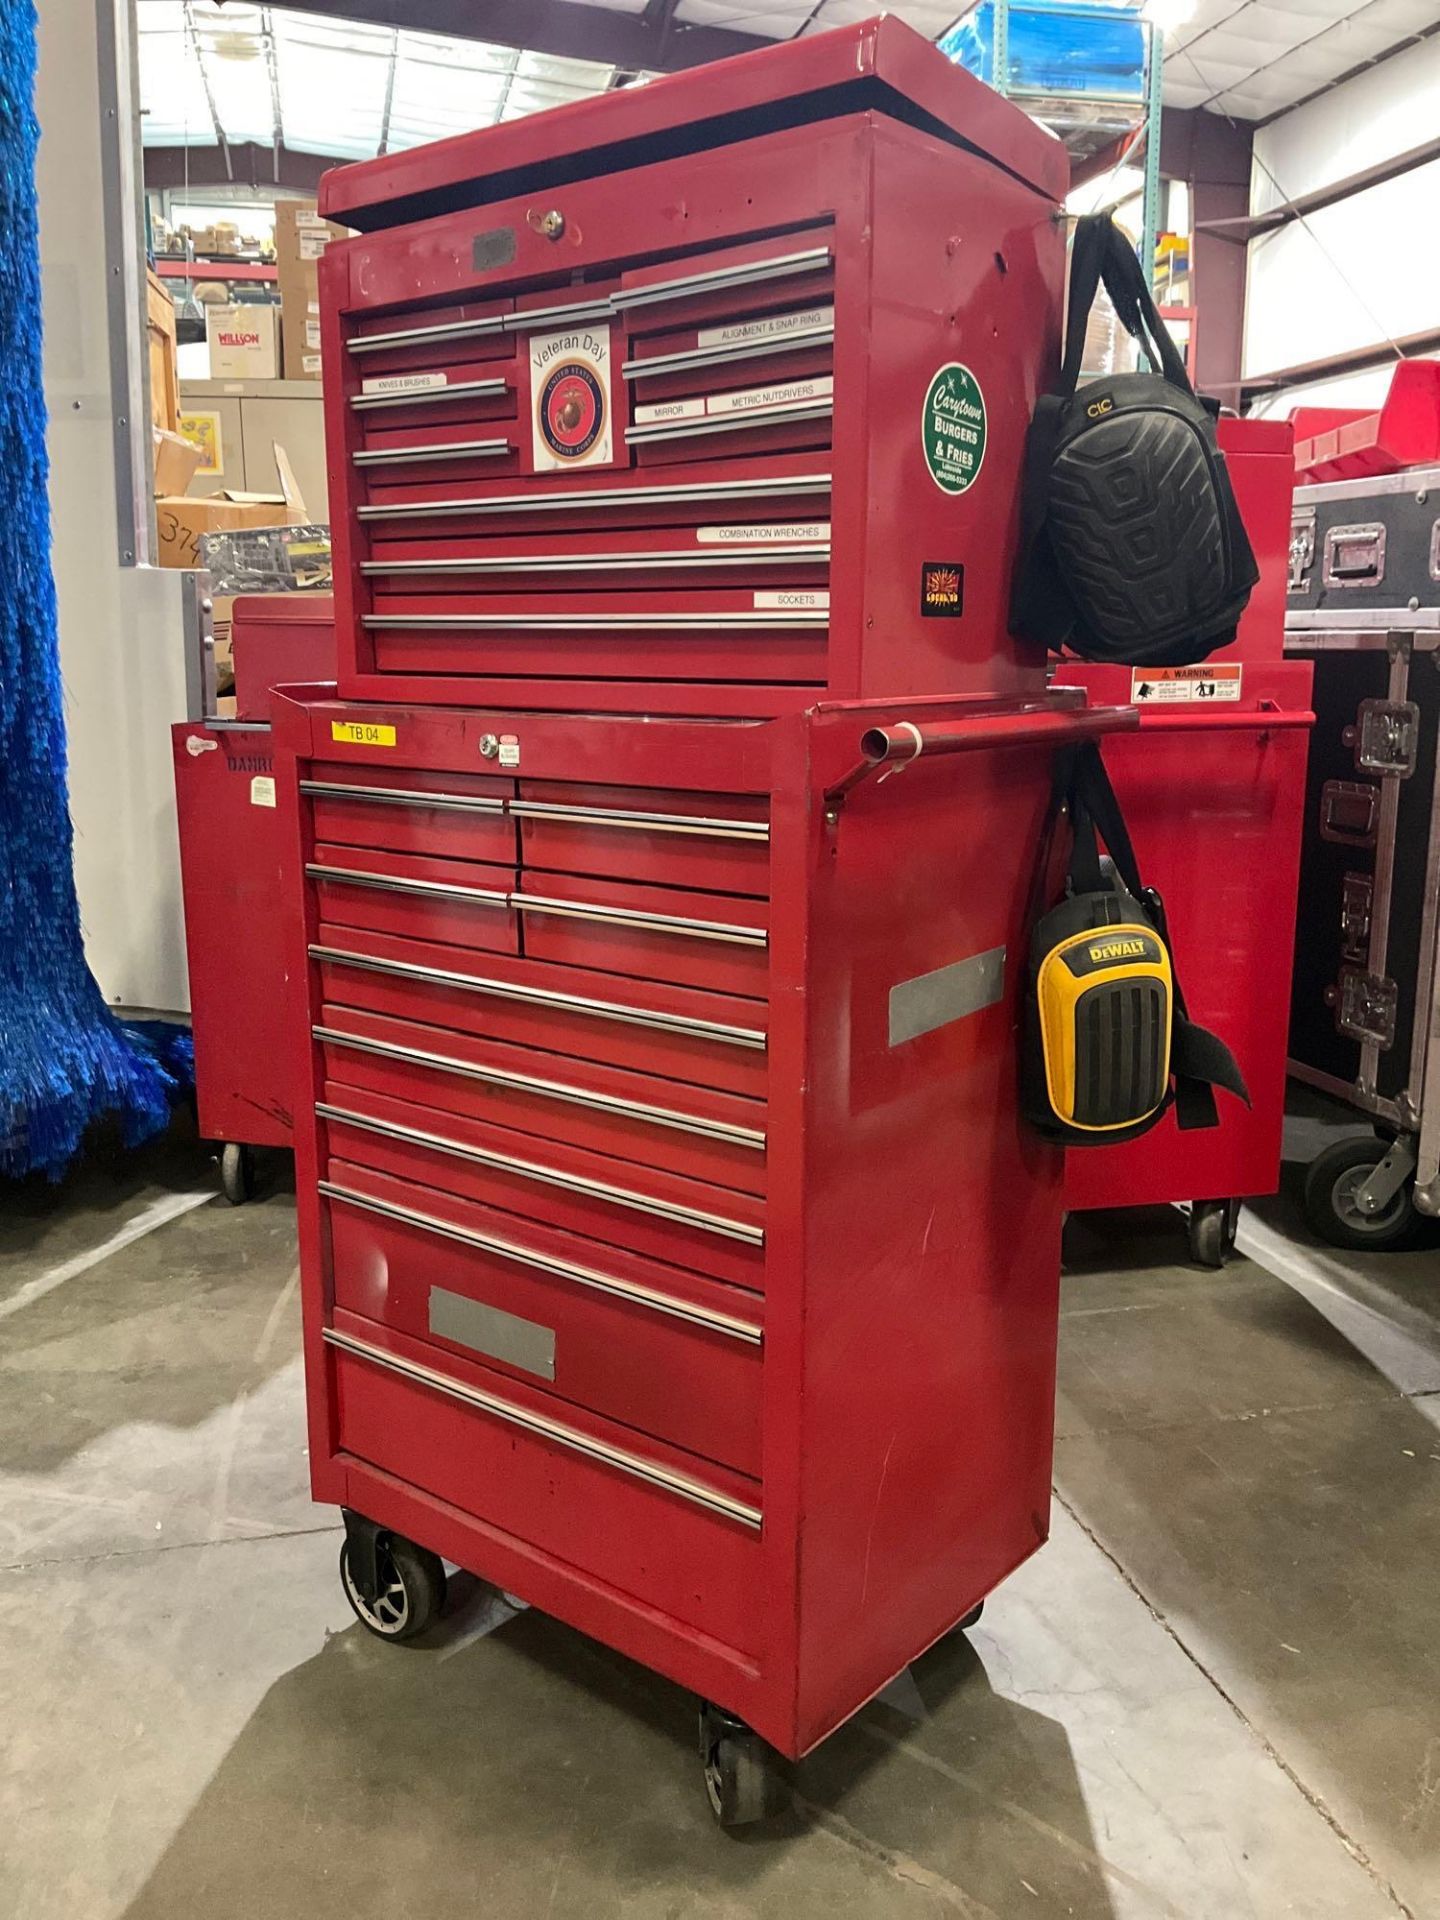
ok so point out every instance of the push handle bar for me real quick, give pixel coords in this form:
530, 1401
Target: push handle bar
1262, 719
896, 746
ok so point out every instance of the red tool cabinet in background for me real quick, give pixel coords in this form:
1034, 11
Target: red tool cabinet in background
1213, 788
672, 1252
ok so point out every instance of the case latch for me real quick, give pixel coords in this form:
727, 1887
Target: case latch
1366, 1006
1302, 548
1349, 813
1386, 737
1356, 897
1355, 556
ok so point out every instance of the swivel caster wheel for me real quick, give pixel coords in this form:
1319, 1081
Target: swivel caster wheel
741, 1783
1213, 1225
1333, 1198
407, 1590
237, 1172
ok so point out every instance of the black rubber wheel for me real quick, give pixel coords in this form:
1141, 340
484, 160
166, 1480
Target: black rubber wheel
411, 1589
237, 1173
971, 1619
739, 1769
1331, 1183
1213, 1225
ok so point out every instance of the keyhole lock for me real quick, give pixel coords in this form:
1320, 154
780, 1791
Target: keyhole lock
489, 746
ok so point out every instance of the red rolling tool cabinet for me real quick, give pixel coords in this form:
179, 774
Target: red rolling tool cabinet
1213, 788
229, 878
673, 1254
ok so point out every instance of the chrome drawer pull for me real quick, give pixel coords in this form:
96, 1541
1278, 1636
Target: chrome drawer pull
403, 797
521, 321
753, 830
628, 1290
729, 422
392, 883
553, 1430
744, 274
439, 450
694, 358
432, 396
685, 924
614, 1196
416, 336
751, 1038
771, 555
737, 1136
602, 622
577, 501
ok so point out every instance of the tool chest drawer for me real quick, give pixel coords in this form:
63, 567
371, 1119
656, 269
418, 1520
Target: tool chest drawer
695, 1131
682, 1532
452, 815
654, 933
662, 1215
666, 1353
458, 902
717, 842
676, 1033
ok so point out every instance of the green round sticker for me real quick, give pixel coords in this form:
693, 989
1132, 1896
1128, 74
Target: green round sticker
952, 428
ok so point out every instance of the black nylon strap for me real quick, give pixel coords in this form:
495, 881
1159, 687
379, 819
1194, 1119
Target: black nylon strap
1102, 253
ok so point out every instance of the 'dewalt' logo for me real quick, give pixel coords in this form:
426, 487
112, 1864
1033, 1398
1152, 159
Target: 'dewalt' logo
942, 589
570, 410
1105, 952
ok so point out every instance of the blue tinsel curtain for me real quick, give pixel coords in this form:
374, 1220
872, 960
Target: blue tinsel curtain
64, 1058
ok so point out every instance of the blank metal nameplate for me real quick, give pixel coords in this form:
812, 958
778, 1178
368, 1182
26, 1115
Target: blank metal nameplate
502, 1336
933, 1000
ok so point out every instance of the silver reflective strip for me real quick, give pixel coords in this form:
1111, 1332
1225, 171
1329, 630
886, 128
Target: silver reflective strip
438, 450
603, 1190
391, 883
725, 930
630, 1291
578, 500
402, 797
697, 1491
732, 422
756, 830
492, 1331
751, 1038
602, 622
933, 1000
716, 279
729, 556
432, 396
752, 1137
412, 336
697, 357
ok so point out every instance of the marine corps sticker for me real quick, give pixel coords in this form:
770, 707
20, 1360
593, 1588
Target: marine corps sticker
570, 399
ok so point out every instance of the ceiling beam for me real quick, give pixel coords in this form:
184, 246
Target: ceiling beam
1251, 226
652, 41
248, 166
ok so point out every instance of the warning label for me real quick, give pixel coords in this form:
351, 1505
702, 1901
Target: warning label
1149, 685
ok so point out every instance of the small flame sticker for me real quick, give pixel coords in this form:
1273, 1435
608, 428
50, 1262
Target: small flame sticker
942, 589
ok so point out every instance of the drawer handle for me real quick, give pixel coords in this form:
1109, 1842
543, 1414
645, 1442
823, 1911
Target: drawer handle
414, 336
437, 450
523, 319
576, 501
694, 358
751, 1038
391, 883
737, 1136
730, 422
634, 1464
614, 1196
744, 274
628, 1290
751, 830
736, 556
684, 924
603, 622
403, 797
432, 396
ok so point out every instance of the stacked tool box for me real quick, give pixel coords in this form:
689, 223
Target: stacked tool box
673, 1253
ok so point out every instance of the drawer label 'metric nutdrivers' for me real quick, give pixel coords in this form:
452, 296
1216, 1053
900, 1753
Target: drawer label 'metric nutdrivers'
759, 400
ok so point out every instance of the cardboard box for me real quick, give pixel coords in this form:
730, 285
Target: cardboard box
176, 462
301, 236
300, 333
244, 342
182, 522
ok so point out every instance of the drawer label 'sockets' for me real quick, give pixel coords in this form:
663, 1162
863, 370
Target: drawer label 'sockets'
1167, 685
952, 428
754, 534
404, 382
781, 599
362, 733
570, 399
810, 320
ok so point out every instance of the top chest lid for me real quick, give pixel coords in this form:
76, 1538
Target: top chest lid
880, 66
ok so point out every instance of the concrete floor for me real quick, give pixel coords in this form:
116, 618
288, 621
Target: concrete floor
1213, 1695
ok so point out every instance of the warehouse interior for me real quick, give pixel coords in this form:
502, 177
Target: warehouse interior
540, 1135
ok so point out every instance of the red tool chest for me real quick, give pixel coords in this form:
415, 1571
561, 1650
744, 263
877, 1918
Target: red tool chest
672, 1253
1213, 788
